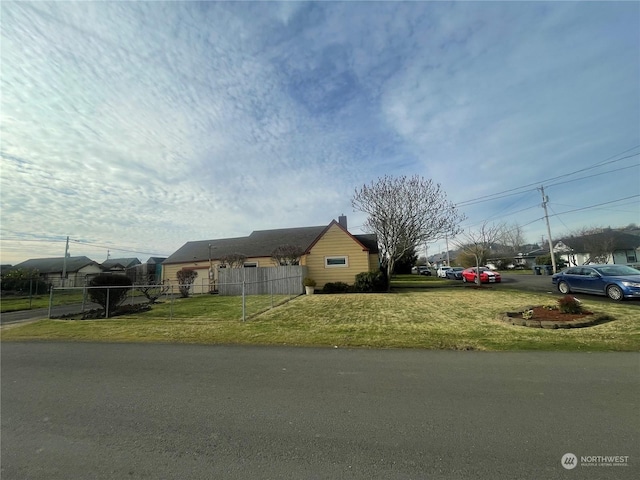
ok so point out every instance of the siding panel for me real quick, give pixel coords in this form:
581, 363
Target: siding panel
334, 243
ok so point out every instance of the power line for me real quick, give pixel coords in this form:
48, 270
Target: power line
559, 219
507, 193
503, 216
594, 206
607, 209
594, 175
45, 239
111, 247
565, 212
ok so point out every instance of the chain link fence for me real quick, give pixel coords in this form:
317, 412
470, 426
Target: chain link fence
234, 300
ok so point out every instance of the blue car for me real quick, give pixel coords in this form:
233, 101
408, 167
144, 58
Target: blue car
615, 281
454, 273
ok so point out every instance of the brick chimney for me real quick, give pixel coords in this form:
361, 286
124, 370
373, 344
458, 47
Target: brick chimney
342, 220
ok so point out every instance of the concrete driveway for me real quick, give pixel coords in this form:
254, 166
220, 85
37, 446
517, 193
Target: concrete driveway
109, 411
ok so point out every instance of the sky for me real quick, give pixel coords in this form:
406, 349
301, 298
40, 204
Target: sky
135, 127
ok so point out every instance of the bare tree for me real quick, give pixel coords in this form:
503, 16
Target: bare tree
404, 213
478, 243
152, 291
287, 255
234, 260
512, 237
186, 278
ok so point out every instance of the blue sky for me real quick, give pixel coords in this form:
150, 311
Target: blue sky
139, 126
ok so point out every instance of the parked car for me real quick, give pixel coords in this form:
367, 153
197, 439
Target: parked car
486, 275
454, 273
442, 272
615, 281
422, 270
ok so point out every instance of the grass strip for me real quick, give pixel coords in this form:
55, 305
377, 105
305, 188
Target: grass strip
440, 319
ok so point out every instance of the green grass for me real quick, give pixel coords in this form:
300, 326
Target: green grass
14, 303
438, 319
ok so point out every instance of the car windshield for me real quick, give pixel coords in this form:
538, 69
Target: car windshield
616, 270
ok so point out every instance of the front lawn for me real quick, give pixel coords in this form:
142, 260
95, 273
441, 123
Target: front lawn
11, 303
438, 319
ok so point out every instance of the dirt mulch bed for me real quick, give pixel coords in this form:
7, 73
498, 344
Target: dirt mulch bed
542, 313
544, 317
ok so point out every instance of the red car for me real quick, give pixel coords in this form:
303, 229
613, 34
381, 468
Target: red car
486, 275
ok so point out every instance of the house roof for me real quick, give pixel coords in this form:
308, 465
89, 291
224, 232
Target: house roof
369, 241
156, 260
261, 243
615, 239
120, 263
55, 265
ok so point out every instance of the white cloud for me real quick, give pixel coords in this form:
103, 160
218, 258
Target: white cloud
145, 125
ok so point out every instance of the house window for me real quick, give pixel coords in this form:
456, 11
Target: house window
250, 264
336, 262
631, 256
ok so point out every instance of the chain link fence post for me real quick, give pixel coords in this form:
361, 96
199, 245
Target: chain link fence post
50, 302
106, 307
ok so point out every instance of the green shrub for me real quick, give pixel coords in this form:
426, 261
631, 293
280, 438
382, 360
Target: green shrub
569, 304
23, 281
546, 260
367, 282
336, 287
114, 291
309, 282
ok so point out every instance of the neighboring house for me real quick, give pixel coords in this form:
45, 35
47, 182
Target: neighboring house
149, 273
119, 265
442, 259
154, 269
608, 246
527, 259
79, 270
330, 253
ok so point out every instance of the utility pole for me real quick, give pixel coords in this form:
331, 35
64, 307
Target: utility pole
446, 239
210, 272
64, 262
545, 199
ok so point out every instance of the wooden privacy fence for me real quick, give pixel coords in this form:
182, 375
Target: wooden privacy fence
262, 280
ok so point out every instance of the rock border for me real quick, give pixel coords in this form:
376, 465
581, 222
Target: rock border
515, 318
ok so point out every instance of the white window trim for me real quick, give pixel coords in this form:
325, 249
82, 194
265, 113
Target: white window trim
250, 265
336, 257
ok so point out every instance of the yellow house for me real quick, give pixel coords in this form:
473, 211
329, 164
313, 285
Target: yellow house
330, 253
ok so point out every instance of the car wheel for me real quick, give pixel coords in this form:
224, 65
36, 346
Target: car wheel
563, 287
614, 292
464, 279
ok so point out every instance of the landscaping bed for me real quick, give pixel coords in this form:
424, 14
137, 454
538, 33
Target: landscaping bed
545, 317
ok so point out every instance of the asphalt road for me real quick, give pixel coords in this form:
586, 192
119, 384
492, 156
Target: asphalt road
39, 313
112, 411
542, 284
531, 283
